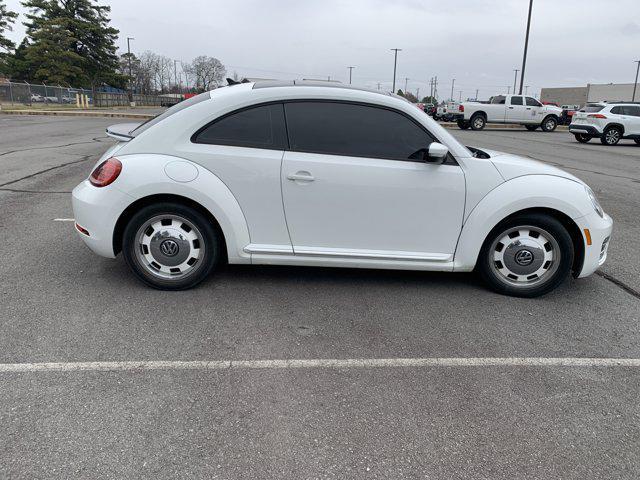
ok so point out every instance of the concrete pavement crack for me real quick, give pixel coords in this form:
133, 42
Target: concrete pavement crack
619, 283
84, 159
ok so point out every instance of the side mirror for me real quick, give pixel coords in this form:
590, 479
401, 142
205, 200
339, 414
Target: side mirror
437, 153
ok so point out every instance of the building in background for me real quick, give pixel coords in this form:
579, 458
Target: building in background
593, 92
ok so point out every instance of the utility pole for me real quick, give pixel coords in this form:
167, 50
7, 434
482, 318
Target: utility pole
526, 45
431, 88
395, 64
460, 99
350, 70
633, 99
435, 87
515, 80
526, 88
453, 82
406, 80
175, 72
378, 85
130, 74
476, 94
418, 93
509, 90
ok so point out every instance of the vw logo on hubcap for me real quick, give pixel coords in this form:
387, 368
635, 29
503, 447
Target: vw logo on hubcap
524, 258
169, 248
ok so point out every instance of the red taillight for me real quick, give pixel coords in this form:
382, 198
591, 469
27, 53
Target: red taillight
596, 115
106, 172
461, 108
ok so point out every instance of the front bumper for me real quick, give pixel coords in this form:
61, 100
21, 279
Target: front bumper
586, 129
97, 210
600, 231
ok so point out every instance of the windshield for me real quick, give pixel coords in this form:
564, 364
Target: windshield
592, 107
170, 111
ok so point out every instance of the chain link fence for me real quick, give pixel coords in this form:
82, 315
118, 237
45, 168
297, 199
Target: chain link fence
31, 94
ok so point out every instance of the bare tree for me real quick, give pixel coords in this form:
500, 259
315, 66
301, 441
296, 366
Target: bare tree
205, 72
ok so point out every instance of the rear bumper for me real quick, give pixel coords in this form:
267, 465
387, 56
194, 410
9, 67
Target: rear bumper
586, 129
97, 210
600, 231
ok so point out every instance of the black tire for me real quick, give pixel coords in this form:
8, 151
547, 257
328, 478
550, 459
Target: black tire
637, 140
549, 124
463, 124
582, 137
478, 122
558, 244
611, 136
531, 128
198, 259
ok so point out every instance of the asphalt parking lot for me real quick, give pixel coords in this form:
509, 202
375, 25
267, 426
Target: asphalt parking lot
61, 303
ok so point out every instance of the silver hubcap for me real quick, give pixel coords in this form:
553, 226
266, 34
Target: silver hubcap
478, 122
169, 247
550, 124
613, 136
524, 256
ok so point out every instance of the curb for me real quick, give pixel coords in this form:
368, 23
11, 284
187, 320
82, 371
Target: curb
63, 113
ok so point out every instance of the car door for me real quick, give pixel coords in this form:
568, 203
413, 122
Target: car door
632, 120
350, 188
515, 109
244, 149
534, 111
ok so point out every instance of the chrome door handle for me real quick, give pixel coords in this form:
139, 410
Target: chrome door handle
529, 108
510, 108
301, 177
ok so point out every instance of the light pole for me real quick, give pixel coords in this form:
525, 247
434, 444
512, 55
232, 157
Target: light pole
526, 45
406, 81
130, 74
350, 70
175, 72
635, 84
452, 84
395, 64
515, 80
460, 99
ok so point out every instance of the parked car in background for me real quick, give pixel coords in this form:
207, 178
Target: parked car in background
447, 112
610, 122
35, 98
338, 177
520, 109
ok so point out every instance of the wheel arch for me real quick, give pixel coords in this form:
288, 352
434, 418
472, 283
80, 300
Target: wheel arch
140, 203
616, 125
529, 193
479, 112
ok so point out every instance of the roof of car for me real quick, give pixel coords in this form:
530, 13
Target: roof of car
310, 83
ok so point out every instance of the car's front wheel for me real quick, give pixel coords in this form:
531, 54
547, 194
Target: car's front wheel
170, 246
582, 137
549, 124
526, 256
478, 122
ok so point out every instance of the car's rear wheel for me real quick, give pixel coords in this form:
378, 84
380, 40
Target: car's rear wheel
463, 124
478, 122
637, 140
549, 124
531, 128
611, 136
582, 137
526, 256
170, 246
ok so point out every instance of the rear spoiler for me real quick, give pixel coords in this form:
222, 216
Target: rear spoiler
122, 131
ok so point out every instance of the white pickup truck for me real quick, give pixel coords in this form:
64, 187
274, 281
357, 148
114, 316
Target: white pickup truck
520, 109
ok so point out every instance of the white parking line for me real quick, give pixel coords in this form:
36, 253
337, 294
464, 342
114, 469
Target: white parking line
64, 219
321, 363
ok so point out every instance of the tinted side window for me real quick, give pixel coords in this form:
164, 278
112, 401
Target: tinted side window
516, 100
256, 127
354, 130
532, 102
617, 111
632, 110
499, 100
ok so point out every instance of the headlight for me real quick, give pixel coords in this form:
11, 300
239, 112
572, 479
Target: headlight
594, 201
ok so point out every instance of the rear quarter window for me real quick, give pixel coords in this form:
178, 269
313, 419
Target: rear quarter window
592, 108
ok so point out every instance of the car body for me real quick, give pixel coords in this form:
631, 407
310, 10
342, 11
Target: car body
296, 173
520, 109
610, 122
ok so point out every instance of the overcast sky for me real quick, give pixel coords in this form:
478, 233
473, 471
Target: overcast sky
477, 42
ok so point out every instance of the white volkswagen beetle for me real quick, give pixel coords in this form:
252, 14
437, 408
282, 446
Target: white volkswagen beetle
296, 173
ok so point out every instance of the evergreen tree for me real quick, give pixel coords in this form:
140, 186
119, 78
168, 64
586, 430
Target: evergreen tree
7, 18
71, 42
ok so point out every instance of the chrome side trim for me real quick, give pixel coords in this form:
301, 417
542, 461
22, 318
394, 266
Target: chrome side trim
372, 254
272, 249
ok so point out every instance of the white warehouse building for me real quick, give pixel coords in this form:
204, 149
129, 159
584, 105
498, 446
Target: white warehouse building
593, 92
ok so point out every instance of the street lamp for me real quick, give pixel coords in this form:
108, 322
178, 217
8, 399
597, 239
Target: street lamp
395, 64
515, 79
526, 45
635, 84
350, 70
130, 74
